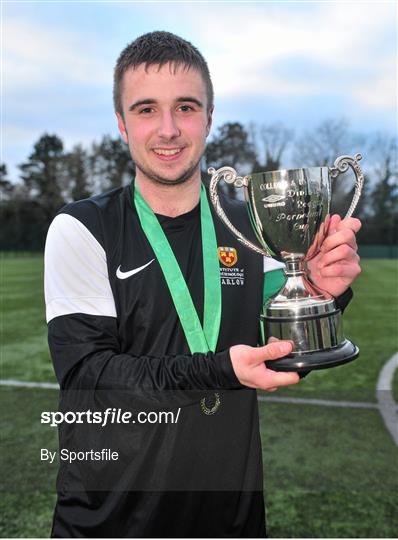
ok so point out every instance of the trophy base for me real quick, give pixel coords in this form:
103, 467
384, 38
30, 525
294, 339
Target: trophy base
327, 358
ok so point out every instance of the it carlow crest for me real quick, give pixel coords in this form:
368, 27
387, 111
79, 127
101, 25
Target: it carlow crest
228, 256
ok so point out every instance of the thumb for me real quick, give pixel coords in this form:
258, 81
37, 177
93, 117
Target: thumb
272, 351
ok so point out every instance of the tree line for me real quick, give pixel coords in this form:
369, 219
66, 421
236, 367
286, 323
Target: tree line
52, 176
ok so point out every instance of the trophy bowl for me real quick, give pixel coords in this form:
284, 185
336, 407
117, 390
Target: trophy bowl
289, 212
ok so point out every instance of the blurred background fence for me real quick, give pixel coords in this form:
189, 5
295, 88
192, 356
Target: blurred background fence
378, 251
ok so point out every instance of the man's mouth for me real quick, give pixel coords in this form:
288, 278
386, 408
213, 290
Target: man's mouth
167, 151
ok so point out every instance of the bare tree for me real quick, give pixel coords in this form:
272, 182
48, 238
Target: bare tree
321, 146
382, 208
383, 162
271, 142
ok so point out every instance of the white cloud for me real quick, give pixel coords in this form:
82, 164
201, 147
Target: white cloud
382, 93
35, 55
244, 43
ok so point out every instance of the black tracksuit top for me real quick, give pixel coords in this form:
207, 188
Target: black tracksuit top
117, 342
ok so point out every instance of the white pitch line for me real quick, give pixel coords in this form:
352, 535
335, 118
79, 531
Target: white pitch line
321, 402
387, 405
27, 384
291, 400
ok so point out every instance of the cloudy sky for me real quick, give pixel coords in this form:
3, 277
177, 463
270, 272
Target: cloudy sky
294, 62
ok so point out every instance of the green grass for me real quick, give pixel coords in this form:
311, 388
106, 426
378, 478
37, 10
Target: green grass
27, 484
24, 351
329, 472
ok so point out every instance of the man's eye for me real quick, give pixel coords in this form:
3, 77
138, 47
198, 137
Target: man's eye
146, 110
186, 108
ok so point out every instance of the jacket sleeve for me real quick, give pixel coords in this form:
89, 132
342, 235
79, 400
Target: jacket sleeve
83, 326
344, 299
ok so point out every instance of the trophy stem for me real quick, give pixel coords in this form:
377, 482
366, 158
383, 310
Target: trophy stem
294, 267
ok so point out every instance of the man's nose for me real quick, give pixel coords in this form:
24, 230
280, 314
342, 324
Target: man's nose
168, 128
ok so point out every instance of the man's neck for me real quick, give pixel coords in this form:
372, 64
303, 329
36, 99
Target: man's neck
170, 201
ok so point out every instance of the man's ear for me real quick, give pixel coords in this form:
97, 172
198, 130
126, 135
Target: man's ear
209, 120
122, 128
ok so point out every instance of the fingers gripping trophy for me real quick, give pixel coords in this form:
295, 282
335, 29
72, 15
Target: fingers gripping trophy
289, 212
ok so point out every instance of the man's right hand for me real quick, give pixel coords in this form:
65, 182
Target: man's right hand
250, 369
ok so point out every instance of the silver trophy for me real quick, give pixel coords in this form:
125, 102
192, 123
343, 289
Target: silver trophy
289, 212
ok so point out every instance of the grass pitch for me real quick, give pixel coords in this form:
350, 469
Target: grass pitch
329, 472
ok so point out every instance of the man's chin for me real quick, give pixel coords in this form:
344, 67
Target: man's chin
171, 181
175, 180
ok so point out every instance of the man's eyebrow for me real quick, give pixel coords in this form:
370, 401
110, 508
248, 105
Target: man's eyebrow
141, 102
190, 99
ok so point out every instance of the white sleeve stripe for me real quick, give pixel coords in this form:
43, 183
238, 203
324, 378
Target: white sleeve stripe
66, 306
76, 273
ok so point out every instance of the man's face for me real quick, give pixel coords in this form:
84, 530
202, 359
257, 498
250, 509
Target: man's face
166, 121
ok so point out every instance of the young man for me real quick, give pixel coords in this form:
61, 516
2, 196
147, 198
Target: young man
137, 314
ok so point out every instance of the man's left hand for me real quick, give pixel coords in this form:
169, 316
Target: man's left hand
337, 264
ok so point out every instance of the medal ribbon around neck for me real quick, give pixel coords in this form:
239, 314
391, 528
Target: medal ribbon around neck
199, 339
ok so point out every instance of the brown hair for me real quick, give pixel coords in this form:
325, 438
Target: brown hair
159, 48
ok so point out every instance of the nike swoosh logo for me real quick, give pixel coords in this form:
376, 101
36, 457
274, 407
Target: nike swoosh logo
125, 275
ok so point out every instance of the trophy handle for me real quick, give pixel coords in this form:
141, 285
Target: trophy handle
340, 166
230, 176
